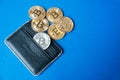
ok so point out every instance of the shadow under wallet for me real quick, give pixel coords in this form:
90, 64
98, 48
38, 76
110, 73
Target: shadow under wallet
29, 52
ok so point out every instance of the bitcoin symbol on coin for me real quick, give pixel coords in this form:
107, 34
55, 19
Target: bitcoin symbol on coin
53, 14
42, 39
55, 33
40, 25
37, 12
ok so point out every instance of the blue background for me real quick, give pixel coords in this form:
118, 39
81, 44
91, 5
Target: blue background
91, 50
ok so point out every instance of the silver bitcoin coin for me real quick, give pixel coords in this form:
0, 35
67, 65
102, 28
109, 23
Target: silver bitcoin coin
42, 39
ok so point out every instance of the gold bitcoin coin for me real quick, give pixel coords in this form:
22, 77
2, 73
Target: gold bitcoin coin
39, 25
37, 12
55, 33
65, 24
53, 14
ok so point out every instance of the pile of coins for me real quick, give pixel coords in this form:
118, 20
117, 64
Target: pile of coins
53, 22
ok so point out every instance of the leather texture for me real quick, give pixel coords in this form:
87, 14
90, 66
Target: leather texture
29, 52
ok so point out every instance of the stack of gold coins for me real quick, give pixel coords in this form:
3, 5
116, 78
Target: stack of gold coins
60, 25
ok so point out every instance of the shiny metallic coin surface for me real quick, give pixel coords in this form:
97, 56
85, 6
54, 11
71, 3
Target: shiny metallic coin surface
40, 25
37, 12
53, 14
65, 24
55, 33
42, 39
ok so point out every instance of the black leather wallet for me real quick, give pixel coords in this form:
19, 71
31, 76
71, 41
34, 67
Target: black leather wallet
29, 52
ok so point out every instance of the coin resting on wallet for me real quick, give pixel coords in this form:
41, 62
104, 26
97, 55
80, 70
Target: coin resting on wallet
60, 24
34, 42
42, 39
55, 33
40, 25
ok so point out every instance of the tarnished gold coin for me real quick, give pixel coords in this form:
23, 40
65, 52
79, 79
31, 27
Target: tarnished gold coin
54, 13
65, 24
39, 25
37, 12
55, 33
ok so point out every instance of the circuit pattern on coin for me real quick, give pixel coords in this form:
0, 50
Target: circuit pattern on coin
55, 33
42, 39
37, 12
